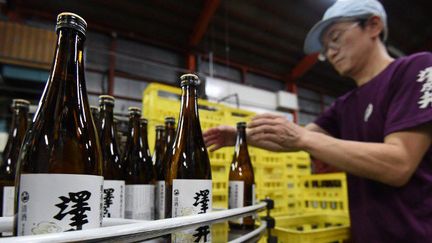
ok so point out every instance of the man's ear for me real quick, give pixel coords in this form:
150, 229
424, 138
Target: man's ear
375, 26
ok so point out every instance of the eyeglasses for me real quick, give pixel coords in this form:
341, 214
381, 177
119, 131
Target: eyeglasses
334, 40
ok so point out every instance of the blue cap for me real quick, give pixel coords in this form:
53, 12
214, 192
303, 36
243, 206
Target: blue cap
339, 11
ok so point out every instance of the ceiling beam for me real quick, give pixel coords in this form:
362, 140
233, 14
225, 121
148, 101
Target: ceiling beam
302, 67
203, 21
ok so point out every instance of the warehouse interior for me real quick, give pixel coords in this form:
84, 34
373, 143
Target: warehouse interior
256, 43
248, 54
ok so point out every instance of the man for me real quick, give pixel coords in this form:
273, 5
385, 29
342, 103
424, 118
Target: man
380, 133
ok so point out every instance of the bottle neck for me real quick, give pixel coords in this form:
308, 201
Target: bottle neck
160, 142
18, 127
66, 81
169, 133
144, 138
134, 133
69, 56
241, 143
189, 109
106, 116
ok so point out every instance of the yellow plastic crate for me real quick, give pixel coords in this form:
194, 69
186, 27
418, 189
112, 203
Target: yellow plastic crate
220, 173
267, 158
278, 196
314, 228
297, 163
233, 116
219, 232
160, 101
211, 112
324, 193
268, 172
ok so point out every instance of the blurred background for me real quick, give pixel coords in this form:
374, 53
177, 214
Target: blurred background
248, 54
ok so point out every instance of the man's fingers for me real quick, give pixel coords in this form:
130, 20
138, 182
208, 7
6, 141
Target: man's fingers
267, 115
262, 129
215, 147
269, 145
271, 137
211, 136
263, 121
211, 131
211, 142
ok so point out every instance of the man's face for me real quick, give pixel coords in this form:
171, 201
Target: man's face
344, 46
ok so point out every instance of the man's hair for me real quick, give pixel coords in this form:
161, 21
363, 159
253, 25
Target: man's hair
363, 22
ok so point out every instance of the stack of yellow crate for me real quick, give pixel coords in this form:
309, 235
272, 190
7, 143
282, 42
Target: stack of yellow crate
272, 175
308, 208
296, 164
322, 212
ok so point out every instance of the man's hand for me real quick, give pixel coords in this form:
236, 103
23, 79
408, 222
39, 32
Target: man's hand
218, 137
275, 133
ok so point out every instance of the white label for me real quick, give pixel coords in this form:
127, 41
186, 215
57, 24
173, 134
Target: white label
253, 195
236, 194
8, 204
254, 199
114, 199
50, 203
8, 201
236, 197
140, 201
160, 200
191, 197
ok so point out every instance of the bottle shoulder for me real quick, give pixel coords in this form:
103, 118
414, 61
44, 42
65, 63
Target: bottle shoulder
61, 143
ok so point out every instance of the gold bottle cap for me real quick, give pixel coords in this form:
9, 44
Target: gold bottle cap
143, 121
71, 20
134, 110
189, 79
169, 119
106, 99
241, 124
20, 103
160, 127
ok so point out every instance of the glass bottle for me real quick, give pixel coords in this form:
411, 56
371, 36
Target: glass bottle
96, 117
17, 131
59, 175
241, 180
113, 169
158, 154
188, 181
161, 173
139, 180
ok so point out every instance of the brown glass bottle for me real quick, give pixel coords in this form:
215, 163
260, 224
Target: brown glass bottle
117, 136
158, 154
113, 169
161, 171
188, 181
59, 175
139, 179
241, 180
148, 161
10, 154
96, 118
170, 130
